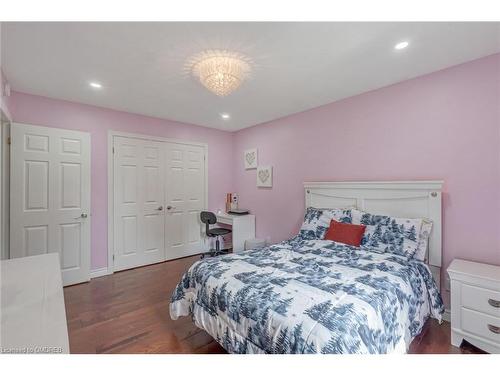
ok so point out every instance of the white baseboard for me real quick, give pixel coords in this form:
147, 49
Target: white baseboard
447, 315
99, 272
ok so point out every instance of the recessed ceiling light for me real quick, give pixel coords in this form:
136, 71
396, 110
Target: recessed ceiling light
401, 45
95, 85
225, 116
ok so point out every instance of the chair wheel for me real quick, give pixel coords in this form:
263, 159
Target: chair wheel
202, 256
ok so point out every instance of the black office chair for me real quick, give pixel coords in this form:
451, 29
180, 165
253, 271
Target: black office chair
209, 218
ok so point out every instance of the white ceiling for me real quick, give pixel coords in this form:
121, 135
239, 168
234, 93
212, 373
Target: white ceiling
298, 66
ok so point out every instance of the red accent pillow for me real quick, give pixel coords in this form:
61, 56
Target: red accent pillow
350, 234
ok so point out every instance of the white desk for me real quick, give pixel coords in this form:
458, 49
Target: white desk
243, 227
33, 313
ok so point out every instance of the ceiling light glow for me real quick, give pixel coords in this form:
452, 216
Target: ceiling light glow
401, 45
95, 85
225, 116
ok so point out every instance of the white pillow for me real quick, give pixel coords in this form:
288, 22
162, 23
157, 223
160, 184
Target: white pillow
317, 221
423, 240
388, 234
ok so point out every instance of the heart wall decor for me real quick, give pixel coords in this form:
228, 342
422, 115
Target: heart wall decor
250, 158
265, 176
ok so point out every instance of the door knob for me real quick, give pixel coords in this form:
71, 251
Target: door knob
170, 207
160, 208
82, 216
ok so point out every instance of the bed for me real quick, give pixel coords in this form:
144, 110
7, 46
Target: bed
308, 295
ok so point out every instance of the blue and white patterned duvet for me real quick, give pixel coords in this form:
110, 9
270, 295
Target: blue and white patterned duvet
309, 296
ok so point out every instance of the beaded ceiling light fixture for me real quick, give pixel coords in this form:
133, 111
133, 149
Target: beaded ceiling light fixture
220, 71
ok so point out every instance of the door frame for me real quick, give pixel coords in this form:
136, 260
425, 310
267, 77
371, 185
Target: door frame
4, 185
111, 197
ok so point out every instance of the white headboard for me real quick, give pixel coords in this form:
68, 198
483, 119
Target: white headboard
411, 199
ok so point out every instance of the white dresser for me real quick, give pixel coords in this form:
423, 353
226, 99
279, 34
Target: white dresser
33, 318
243, 227
475, 304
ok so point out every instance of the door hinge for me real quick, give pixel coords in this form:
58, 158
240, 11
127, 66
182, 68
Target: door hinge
9, 140
113, 150
113, 257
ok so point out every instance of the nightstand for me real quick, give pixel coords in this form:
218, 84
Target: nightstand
475, 304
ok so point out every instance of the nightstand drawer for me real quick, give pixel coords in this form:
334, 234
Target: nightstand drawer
480, 324
481, 299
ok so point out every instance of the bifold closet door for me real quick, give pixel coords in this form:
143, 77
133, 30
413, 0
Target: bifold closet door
50, 197
185, 198
139, 213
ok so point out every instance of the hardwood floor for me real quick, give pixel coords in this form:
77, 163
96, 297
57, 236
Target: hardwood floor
127, 312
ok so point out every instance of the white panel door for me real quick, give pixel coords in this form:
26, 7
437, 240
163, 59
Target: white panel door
185, 198
139, 219
50, 197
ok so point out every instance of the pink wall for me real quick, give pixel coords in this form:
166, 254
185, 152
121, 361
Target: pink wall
38, 110
444, 125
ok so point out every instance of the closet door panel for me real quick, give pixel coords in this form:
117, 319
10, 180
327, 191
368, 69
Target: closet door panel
139, 218
185, 197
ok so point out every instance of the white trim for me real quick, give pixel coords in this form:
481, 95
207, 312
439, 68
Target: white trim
3, 250
146, 137
398, 185
447, 315
111, 135
5, 187
99, 272
110, 203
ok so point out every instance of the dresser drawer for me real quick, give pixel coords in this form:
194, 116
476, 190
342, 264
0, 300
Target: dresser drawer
480, 299
480, 324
